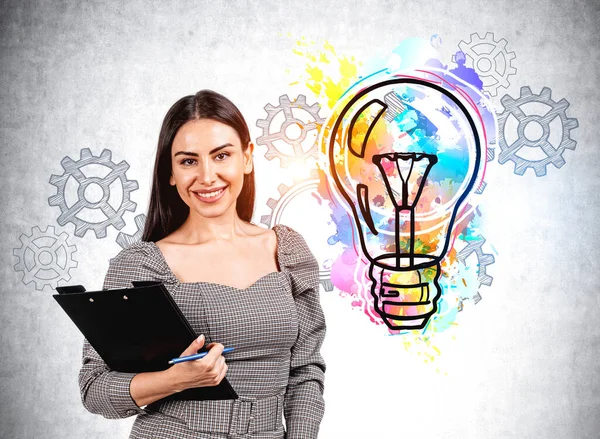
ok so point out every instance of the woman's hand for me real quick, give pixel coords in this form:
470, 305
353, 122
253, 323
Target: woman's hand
205, 372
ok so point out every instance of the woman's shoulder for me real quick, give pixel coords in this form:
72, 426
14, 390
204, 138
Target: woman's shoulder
293, 249
290, 241
296, 259
136, 251
138, 261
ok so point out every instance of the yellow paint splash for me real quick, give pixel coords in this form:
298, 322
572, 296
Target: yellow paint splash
327, 74
425, 347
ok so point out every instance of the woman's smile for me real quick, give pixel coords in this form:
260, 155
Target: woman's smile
210, 197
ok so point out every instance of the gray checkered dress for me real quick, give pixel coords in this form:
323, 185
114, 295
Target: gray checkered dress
276, 326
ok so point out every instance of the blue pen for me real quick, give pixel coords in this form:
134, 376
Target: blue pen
195, 356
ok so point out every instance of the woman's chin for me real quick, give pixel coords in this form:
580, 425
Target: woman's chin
214, 211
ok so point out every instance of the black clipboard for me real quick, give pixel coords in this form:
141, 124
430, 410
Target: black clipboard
136, 329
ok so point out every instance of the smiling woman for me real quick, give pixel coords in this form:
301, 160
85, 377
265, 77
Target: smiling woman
238, 285
182, 145
204, 174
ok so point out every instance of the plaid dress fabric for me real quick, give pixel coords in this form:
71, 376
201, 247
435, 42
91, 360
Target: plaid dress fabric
276, 327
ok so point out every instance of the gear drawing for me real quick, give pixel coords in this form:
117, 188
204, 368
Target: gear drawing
292, 132
278, 206
44, 257
490, 59
553, 154
103, 206
483, 261
125, 240
481, 188
476, 298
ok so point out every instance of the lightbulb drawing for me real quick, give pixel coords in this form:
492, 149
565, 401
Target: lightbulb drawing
404, 153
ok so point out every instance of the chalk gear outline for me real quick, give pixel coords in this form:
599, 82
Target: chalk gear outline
73, 169
269, 138
125, 240
484, 260
44, 257
500, 69
554, 155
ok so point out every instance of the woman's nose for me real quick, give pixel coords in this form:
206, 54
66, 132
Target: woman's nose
207, 172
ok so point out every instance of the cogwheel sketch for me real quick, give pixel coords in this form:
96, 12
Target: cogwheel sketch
125, 240
290, 130
483, 261
290, 210
93, 201
44, 257
535, 132
479, 190
490, 59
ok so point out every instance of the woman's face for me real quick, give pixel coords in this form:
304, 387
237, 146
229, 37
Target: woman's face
208, 166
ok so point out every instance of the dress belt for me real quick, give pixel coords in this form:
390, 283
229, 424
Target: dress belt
240, 416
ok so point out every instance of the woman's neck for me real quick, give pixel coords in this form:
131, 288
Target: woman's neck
198, 230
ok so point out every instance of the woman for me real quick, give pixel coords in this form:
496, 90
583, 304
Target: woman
238, 285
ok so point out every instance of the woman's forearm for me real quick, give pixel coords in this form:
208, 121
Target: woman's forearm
147, 387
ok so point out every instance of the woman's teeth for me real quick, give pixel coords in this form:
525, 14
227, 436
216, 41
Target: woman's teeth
210, 194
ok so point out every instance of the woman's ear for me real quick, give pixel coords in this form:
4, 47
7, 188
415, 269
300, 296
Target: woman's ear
248, 158
171, 180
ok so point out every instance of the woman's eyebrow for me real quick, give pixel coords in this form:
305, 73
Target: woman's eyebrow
194, 154
220, 147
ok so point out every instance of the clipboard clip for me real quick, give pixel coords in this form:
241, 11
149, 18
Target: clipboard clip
145, 283
70, 289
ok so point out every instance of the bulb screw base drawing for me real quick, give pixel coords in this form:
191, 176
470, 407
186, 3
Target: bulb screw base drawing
405, 296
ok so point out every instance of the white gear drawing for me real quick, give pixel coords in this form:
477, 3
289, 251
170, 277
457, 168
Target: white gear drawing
102, 206
481, 188
483, 261
125, 240
302, 148
45, 258
278, 206
490, 59
553, 154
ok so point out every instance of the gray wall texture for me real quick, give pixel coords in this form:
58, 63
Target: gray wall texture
522, 363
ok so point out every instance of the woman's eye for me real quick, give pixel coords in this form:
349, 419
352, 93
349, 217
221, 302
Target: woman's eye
222, 156
187, 162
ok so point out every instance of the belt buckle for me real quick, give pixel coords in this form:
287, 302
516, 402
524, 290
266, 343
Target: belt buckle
243, 416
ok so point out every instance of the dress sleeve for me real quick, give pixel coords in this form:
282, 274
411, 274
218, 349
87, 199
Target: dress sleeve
104, 391
304, 405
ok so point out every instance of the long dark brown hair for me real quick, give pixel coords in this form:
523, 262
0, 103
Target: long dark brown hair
167, 211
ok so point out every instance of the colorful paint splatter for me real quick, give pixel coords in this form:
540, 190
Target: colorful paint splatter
427, 123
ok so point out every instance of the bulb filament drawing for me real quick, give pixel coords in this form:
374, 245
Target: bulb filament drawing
404, 153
